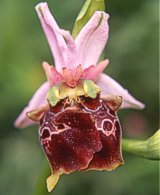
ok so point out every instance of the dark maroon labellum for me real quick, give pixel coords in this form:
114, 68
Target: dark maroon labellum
81, 134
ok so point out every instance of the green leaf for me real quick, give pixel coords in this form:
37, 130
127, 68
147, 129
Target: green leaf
85, 14
149, 148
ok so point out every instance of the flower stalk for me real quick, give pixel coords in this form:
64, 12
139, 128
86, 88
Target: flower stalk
149, 149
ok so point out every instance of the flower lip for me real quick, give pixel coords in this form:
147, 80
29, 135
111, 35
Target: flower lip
83, 136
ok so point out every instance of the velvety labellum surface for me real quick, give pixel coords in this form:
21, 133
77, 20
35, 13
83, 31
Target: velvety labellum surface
81, 134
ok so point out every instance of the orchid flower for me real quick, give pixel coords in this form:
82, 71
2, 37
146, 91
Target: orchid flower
76, 107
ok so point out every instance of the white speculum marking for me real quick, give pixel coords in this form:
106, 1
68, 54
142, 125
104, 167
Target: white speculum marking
55, 127
42, 132
45, 141
110, 131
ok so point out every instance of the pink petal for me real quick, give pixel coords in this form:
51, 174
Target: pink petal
110, 86
78, 73
52, 75
92, 39
38, 99
92, 72
61, 43
68, 77
71, 78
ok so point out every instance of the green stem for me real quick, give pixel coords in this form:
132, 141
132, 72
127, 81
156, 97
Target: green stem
149, 148
134, 146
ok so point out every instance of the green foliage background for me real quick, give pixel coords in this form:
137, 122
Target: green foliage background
133, 52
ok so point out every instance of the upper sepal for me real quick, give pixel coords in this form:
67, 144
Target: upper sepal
61, 42
92, 39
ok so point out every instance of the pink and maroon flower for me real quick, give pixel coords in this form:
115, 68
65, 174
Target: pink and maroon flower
76, 107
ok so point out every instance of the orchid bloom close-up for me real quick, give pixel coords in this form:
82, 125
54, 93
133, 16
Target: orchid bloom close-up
76, 107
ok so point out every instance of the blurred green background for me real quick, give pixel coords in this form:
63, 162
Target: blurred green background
133, 52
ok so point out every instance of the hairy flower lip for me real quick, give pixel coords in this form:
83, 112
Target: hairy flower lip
102, 150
